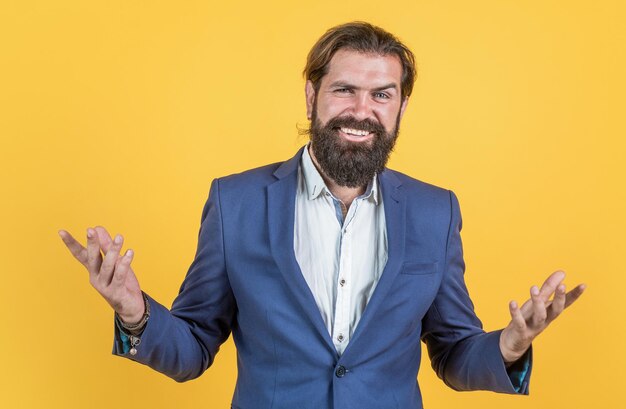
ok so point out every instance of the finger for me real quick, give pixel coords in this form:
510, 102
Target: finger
519, 323
94, 258
546, 291
105, 238
122, 268
574, 294
539, 309
558, 304
110, 259
78, 251
552, 282
527, 309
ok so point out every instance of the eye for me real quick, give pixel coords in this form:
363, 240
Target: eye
343, 90
381, 95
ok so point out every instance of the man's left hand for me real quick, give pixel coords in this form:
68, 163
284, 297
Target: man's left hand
535, 315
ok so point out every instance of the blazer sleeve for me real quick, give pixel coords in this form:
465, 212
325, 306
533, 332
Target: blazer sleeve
182, 342
462, 354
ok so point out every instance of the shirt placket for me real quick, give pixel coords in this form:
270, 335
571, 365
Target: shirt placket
341, 328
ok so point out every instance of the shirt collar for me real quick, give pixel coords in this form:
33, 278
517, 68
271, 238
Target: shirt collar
315, 184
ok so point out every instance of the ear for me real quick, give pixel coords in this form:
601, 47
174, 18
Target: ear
309, 91
403, 106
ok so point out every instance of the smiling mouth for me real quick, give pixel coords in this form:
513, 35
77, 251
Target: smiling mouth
352, 134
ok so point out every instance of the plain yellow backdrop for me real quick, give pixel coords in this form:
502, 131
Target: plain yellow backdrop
120, 113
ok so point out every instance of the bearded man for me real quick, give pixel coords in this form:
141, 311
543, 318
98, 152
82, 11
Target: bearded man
328, 268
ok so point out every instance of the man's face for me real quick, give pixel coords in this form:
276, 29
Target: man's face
355, 115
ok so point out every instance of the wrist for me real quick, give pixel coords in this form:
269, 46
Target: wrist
511, 351
137, 320
133, 319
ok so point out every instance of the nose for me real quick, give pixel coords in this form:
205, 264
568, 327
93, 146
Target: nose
361, 107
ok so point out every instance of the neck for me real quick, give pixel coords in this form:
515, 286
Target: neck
343, 193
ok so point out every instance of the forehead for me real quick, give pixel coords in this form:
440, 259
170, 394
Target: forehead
364, 69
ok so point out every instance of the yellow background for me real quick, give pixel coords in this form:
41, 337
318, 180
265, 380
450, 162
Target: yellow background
120, 113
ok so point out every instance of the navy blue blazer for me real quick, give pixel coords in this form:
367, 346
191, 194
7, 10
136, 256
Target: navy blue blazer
245, 279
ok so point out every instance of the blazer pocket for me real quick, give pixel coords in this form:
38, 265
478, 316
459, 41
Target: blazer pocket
417, 268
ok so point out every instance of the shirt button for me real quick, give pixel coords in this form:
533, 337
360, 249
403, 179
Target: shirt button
340, 372
340, 337
342, 282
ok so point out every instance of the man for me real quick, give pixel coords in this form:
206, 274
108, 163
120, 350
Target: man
328, 268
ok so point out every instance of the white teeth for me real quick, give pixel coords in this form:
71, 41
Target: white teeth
357, 132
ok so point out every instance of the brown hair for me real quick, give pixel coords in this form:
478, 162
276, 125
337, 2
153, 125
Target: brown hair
362, 37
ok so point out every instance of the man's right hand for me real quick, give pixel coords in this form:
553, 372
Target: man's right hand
112, 275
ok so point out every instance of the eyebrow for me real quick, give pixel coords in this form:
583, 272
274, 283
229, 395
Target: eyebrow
342, 84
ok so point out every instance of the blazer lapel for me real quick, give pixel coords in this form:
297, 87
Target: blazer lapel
395, 218
281, 196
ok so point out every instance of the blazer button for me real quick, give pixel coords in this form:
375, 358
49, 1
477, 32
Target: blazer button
340, 371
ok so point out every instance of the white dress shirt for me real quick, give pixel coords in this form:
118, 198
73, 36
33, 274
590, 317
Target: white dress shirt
341, 258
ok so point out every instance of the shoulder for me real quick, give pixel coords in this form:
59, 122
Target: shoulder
244, 187
415, 187
424, 199
250, 178
241, 190
262, 176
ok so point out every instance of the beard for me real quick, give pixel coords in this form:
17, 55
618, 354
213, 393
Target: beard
347, 163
